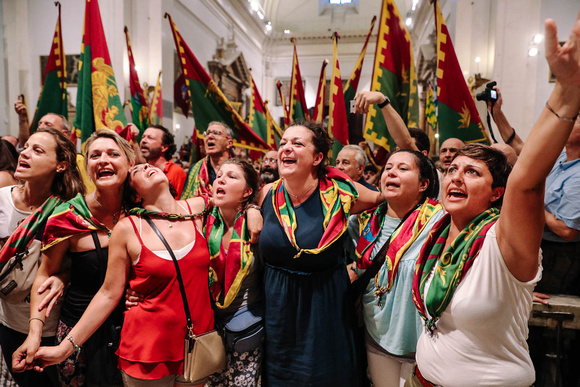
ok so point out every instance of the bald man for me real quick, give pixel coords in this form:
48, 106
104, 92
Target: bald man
448, 150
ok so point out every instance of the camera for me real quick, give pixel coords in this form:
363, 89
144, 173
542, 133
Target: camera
489, 94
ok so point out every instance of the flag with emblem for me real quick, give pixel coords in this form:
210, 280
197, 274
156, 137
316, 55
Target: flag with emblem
457, 115
430, 109
393, 75
139, 108
298, 109
98, 102
352, 83
53, 95
283, 102
337, 121
156, 105
208, 101
318, 113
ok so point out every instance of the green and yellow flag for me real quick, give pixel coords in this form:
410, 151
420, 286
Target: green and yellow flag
53, 95
318, 113
352, 83
456, 112
430, 109
208, 101
139, 108
98, 103
258, 118
298, 109
156, 105
337, 121
393, 75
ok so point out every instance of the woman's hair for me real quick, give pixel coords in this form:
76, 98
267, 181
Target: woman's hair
495, 160
125, 147
320, 139
8, 157
427, 171
252, 179
66, 184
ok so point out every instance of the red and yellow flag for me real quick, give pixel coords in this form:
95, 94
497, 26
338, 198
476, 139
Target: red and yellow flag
139, 108
318, 113
207, 100
393, 75
352, 83
456, 112
298, 109
98, 103
156, 105
53, 95
337, 120
258, 119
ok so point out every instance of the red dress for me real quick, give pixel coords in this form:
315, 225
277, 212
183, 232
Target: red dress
153, 333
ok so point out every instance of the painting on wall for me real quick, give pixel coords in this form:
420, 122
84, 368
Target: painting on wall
72, 68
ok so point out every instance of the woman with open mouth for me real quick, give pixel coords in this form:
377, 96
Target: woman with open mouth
387, 249
477, 269
79, 231
47, 171
309, 312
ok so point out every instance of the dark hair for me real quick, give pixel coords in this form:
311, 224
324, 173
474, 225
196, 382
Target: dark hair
371, 168
66, 184
320, 139
495, 161
251, 176
8, 157
421, 139
168, 139
427, 171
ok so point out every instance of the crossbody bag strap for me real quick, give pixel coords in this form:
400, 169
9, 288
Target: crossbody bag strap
179, 278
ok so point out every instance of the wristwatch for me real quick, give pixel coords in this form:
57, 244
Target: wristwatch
384, 103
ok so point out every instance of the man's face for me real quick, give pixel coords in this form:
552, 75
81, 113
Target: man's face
52, 121
269, 168
216, 140
346, 162
152, 144
448, 149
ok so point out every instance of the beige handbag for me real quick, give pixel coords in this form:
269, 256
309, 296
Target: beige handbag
204, 354
17, 275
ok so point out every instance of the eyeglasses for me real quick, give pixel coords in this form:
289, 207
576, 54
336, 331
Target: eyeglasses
216, 133
269, 161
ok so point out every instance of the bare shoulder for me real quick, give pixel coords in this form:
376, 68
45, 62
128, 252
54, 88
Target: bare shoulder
263, 192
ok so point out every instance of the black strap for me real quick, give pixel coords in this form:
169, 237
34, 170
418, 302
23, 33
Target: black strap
101, 258
489, 126
179, 278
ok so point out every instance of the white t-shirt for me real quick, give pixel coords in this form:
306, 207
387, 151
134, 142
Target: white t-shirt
15, 316
480, 339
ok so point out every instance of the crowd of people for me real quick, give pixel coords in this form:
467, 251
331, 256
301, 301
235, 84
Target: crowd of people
314, 275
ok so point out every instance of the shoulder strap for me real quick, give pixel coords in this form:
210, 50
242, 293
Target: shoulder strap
179, 278
136, 231
101, 257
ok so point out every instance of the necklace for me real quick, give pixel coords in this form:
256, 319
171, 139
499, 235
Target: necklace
115, 215
304, 193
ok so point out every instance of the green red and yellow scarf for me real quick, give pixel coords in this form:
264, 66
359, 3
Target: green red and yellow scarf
28, 229
400, 240
69, 219
197, 183
455, 262
337, 194
227, 269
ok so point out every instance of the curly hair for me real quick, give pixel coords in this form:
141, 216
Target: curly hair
320, 139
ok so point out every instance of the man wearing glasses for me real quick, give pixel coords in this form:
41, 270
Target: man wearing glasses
218, 140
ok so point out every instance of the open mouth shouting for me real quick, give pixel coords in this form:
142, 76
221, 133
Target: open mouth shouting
105, 173
456, 194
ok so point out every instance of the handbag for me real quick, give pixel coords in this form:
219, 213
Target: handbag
204, 354
245, 330
18, 273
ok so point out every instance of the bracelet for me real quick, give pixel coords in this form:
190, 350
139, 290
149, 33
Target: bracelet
254, 206
384, 103
36, 318
76, 347
559, 117
509, 140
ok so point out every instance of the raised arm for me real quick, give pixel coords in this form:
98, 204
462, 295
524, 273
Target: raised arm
397, 128
367, 199
522, 219
102, 304
23, 125
508, 134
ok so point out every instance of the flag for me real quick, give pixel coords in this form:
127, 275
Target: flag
273, 126
139, 108
318, 114
393, 75
430, 106
98, 103
258, 119
352, 83
53, 95
298, 109
456, 112
207, 100
337, 122
284, 106
156, 105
